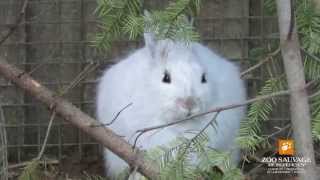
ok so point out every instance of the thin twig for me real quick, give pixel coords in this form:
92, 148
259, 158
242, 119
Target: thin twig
83, 74
279, 131
314, 95
226, 107
18, 21
136, 139
268, 58
53, 115
23, 164
221, 108
43, 62
114, 119
34, 69
213, 120
255, 169
267, 137
189, 141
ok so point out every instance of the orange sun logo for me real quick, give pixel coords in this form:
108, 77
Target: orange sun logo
285, 147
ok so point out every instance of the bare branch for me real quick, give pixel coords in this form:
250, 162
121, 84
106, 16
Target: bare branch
114, 119
262, 62
221, 108
18, 21
69, 112
299, 106
83, 74
53, 115
23, 164
280, 130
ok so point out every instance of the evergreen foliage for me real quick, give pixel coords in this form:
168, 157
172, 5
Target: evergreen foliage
126, 18
178, 160
250, 137
32, 171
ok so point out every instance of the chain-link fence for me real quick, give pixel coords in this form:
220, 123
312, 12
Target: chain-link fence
50, 40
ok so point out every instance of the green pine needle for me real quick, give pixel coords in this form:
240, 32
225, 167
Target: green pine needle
177, 160
32, 171
124, 18
250, 137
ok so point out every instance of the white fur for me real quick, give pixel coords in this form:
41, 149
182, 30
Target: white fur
138, 80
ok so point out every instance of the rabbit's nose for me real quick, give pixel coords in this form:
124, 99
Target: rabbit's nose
186, 103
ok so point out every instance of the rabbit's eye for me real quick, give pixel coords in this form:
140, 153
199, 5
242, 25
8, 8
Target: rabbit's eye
166, 78
203, 78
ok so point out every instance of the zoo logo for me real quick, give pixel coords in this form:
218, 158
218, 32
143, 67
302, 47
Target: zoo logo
285, 147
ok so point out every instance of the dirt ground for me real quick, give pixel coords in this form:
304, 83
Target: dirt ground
68, 169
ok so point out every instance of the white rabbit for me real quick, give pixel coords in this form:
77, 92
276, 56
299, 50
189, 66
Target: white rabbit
167, 81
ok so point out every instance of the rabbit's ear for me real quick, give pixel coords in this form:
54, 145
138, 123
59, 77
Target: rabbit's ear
149, 37
150, 40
